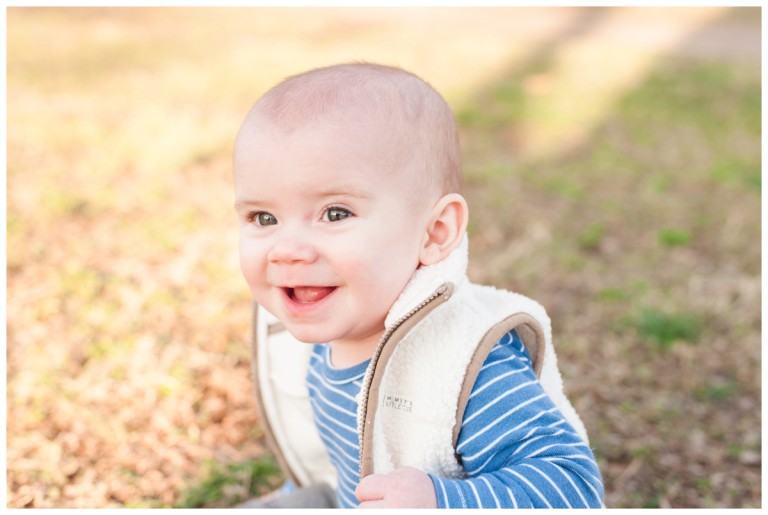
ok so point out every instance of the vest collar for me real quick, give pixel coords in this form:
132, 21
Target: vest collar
427, 279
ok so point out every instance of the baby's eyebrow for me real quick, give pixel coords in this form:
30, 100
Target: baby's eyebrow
242, 204
343, 192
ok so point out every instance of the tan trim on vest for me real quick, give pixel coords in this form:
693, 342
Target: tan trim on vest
532, 335
387, 348
269, 433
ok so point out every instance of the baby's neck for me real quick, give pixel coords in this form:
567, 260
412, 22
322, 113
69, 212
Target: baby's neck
348, 353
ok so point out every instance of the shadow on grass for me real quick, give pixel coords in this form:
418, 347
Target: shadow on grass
664, 192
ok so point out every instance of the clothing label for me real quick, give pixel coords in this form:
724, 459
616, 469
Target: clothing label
397, 402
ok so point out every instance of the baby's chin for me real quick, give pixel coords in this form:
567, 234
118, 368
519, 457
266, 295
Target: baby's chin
306, 335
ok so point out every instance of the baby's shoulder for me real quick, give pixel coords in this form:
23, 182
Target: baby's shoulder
508, 361
509, 348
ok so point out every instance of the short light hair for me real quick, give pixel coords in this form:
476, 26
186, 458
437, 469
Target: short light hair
406, 106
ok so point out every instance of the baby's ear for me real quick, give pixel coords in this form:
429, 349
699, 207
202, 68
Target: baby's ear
446, 228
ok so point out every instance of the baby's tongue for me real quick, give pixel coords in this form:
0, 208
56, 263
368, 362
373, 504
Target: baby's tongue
306, 294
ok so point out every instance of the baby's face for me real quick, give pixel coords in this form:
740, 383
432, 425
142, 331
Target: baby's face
328, 238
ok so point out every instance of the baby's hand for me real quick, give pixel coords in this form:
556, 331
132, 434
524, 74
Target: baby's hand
406, 487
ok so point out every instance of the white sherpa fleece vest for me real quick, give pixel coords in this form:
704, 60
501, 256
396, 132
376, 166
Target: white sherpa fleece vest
426, 378
438, 334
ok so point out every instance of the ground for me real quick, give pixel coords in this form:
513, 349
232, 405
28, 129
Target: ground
613, 171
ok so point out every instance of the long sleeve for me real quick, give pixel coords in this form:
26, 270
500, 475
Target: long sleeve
517, 448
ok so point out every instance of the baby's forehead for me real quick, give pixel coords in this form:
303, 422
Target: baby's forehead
361, 115
360, 124
333, 160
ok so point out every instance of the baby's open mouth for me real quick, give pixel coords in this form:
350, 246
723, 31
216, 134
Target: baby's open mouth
309, 294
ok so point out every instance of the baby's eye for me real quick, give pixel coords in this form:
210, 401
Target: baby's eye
263, 218
336, 214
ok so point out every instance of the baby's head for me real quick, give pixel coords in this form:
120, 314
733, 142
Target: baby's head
347, 180
405, 121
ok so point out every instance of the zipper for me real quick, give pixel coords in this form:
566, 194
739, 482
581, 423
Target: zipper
443, 290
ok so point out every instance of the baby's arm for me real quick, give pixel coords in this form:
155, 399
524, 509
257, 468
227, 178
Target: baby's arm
516, 446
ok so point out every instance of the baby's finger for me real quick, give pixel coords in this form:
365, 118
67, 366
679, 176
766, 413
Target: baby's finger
371, 488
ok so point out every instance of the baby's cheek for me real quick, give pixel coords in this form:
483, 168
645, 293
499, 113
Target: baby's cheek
252, 267
377, 271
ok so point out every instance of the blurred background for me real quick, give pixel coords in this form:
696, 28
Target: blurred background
613, 169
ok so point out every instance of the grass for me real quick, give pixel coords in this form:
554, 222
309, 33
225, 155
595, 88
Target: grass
722, 393
128, 321
739, 170
638, 213
591, 237
667, 329
231, 483
671, 237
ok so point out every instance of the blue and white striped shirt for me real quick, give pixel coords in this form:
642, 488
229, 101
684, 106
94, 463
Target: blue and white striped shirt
517, 448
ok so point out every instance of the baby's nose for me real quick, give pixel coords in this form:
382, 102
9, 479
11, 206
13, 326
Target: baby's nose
292, 251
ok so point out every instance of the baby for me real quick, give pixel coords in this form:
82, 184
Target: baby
424, 390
